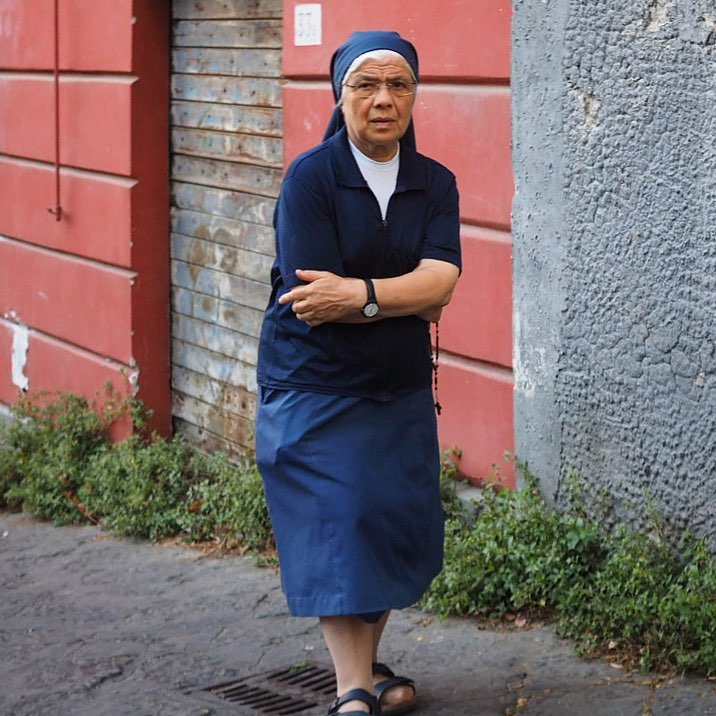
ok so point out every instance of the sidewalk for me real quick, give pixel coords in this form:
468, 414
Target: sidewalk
94, 625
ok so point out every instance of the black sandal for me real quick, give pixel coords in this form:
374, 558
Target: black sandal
402, 707
355, 695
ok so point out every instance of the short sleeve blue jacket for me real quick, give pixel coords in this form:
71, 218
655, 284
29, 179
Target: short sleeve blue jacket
327, 218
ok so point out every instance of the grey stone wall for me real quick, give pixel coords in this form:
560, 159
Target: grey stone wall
614, 146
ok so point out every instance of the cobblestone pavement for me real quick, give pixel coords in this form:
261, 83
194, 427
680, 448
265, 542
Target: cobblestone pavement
90, 624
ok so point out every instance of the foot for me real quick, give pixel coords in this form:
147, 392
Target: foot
354, 703
396, 694
353, 707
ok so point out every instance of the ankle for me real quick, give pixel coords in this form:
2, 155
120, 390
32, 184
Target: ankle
354, 701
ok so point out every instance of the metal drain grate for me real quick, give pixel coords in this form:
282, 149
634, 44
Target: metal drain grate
282, 692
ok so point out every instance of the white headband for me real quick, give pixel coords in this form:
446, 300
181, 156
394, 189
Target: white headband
378, 55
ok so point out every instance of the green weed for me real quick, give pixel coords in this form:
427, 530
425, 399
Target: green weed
655, 602
46, 450
228, 503
56, 461
516, 554
643, 599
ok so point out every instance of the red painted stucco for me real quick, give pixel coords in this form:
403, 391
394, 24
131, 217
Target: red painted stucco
94, 34
28, 188
477, 417
455, 39
487, 270
93, 288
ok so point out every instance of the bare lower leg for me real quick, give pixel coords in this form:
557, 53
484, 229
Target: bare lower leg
350, 641
378, 629
396, 694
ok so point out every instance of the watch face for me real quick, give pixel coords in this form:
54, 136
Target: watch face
370, 310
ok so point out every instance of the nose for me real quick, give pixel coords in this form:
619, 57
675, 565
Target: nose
382, 96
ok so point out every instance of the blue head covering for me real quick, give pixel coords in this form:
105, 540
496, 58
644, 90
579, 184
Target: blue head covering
357, 44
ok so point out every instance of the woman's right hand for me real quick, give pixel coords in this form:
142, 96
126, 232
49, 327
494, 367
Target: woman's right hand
325, 297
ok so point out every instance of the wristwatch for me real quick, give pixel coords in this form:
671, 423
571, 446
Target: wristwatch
371, 308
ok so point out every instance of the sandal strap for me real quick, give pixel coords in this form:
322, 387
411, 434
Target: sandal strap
382, 686
390, 682
355, 695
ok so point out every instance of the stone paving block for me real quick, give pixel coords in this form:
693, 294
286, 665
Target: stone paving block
685, 696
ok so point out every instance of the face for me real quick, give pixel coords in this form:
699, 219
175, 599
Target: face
376, 124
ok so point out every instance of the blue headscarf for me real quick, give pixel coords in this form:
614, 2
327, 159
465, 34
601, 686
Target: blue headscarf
357, 44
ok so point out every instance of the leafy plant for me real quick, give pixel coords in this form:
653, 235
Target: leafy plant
139, 489
453, 506
8, 474
47, 447
228, 503
517, 554
57, 462
658, 604
636, 597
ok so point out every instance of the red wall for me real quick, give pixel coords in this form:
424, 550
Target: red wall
462, 119
93, 288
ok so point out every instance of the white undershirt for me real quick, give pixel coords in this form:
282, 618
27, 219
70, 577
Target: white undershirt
381, 177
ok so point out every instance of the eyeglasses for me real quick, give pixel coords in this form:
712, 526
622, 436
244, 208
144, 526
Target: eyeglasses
397, 88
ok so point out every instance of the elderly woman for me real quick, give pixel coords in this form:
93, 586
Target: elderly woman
367, 254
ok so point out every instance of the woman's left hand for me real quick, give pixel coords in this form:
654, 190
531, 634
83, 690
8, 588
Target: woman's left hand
325, 297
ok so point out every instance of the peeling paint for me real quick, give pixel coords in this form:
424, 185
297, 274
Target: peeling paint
590, 107
133, 379
20, 344
523, 383
658, 15
709, 24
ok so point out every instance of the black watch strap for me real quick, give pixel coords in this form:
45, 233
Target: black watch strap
371, 307
370, 288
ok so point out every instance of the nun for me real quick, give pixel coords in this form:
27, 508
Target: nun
367, 255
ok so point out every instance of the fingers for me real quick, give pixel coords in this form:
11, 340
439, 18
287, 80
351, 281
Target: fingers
286, 298
307, 275
297, 293
319, 299
302, 308
307, 317
311, 275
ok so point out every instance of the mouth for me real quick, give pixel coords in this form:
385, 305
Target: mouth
382, 121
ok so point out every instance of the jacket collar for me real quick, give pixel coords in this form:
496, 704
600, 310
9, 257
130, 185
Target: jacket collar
411, 175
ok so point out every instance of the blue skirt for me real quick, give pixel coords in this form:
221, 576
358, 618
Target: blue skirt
353, 492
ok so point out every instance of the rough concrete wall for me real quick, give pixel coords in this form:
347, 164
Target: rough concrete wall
537, 216
615, 251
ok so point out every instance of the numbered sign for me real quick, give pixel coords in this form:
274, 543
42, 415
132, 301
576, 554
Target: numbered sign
307, 24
